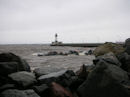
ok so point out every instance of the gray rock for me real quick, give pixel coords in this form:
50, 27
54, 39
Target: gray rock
42, 90
8, 67
43, 71
58, 77
18, 93
104, 81
124, 58
82, 72
109, 57
73, 52
59, 91
52, 53
4, 80
7, 86
127, 45
23, 78
10, 63
50, 77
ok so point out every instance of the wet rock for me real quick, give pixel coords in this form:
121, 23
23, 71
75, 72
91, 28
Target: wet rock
74, 83
8, 67
10, 63
127, 45
43, 90
73, 52
127, 87
52, 53
69, 73
84, 70
18, 93
59, 77
114, 71
50, 77
4, 80
109, 57
7, 86
108, 47
90, 52
59, 91
104, 81
82, 73
23, 79
89, 68
124, 58
43, 71
67, 78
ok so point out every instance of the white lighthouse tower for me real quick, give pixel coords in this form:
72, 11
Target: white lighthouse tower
56, 42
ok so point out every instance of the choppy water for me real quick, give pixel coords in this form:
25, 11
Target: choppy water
60, 62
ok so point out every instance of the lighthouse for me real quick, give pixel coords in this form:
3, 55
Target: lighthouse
56, 37
56, 42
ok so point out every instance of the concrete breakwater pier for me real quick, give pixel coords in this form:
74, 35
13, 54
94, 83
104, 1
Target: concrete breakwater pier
78, 44
59, 43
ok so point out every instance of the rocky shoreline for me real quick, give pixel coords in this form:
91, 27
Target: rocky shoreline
108, 76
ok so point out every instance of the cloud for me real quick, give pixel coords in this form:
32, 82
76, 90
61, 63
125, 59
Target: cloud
74, 20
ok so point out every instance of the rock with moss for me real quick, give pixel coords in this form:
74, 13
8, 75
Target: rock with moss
108, 47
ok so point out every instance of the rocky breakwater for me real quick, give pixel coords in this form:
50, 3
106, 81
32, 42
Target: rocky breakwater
108, 76
127, 45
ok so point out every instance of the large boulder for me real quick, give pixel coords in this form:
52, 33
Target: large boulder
7, 86
10, 63
108, 57
104, 81
108, 47
59, 77
124, 58
43, 90
82, 72
18, 93
23, 79
44, 71
8, 67
4, 80
50, 77
58, 91
127, 45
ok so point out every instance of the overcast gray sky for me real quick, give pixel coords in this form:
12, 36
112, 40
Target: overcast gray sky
36, 21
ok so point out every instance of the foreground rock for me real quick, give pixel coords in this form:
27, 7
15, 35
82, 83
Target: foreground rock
108, 57
44, 71
50, 77
105, 81
127, 45
61, 77
18, 93
4, 80
59, 91
124, 58
108, 47
10, 63
23, 79
7, 86
82, 73
43, 90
